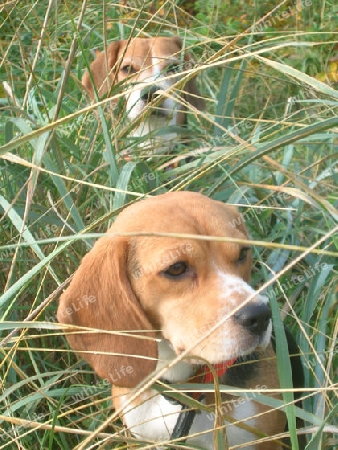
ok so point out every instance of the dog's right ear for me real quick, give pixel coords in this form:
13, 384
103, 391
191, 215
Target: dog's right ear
192, 94
102, 71
120, 341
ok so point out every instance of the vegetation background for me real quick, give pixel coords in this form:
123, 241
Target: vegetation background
268, 141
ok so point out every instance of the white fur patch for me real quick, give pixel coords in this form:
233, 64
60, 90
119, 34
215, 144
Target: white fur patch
167, 107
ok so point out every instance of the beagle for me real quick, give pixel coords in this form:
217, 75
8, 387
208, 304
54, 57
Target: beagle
149, 68
164, 296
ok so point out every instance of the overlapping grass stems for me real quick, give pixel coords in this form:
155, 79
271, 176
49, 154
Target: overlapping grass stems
267, 141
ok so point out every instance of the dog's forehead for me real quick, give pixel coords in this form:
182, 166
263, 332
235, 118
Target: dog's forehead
141, 50
165, 47
181, 212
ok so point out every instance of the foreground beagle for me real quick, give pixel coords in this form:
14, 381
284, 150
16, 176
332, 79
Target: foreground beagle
150, 67
173, 292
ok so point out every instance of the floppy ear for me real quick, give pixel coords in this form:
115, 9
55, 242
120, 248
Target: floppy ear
192, 94
100, 297
101, 71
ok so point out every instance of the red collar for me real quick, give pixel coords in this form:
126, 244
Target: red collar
219, 369
205, 375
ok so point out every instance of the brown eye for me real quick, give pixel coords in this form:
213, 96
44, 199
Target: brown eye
127, 69
176, 270
243, 254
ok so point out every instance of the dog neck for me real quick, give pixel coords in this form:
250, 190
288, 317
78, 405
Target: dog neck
180, 371
184, 370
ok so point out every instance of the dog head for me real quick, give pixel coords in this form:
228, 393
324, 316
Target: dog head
166, 287
150, 67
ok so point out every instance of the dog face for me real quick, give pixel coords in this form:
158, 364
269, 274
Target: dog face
149, 67
179, 289
187, 286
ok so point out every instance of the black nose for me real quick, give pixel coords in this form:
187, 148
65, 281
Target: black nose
254, 317
150, 94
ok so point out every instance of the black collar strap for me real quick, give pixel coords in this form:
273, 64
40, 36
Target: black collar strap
184, 422
187, 414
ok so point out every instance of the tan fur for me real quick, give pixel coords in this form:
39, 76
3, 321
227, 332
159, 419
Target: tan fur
100, 297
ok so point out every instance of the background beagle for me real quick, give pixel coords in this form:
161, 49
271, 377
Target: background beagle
150, 67
167, 295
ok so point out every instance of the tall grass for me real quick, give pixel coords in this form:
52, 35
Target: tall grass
266, 142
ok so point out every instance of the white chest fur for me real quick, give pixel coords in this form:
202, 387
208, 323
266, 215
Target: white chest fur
155, 417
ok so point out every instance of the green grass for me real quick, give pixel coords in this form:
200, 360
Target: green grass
270, 144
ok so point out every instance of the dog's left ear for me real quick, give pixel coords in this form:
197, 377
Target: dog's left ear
102, 71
